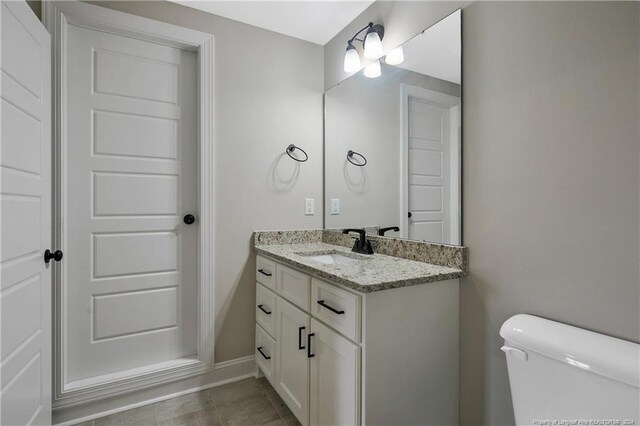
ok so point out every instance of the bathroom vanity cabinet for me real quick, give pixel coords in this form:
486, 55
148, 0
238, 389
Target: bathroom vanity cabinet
341, 357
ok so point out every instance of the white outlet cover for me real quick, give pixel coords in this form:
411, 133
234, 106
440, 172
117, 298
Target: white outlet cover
309, 206
335, 206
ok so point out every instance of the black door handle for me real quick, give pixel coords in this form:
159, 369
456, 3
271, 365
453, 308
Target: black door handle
300, 347
264, 310
334, 310
409, 215
56, 255
189, 219
309, 354
262, 353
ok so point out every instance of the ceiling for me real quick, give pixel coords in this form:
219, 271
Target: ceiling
314, 21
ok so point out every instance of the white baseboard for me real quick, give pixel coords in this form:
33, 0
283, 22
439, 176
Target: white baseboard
223, 372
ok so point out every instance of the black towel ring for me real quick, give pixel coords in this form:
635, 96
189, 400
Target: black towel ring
350, 155
292, 148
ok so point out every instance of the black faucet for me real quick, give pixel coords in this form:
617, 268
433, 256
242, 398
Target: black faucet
382, 231
361, 245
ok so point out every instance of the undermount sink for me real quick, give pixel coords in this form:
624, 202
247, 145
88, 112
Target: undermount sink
331, 258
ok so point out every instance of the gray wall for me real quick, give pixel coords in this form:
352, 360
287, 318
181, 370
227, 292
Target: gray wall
268, 94
550, 179
551, 183
363, 114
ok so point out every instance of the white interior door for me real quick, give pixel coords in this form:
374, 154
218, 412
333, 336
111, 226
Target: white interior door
429, 171
130, 175
25, 214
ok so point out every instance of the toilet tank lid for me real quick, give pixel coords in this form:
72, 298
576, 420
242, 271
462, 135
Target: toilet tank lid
594, 352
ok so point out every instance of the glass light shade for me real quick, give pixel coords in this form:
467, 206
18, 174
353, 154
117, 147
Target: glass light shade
395, 57
351, 60
373, 70
373, 46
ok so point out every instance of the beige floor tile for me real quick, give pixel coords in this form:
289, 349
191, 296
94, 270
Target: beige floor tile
291, 420
186, 404
254, 410
262, 381
143, 416
89, 423
277, 402
198, 418
234, 391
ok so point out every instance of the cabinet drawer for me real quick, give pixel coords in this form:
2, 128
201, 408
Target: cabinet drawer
266, 272
293, 286
337, 308
265, 309
265, 350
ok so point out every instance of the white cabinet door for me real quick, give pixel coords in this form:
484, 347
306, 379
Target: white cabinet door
335, 378
25, 209
292, 363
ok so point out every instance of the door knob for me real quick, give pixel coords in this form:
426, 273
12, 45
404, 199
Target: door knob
409, 215
56, 255
189, 219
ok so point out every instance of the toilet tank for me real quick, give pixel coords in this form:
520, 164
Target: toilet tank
564, 375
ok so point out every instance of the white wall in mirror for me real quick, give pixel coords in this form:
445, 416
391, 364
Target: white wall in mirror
437, 51
407, 125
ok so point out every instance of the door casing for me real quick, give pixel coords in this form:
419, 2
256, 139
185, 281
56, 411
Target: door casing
57, 17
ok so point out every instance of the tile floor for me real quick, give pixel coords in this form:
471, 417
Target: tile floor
247, 402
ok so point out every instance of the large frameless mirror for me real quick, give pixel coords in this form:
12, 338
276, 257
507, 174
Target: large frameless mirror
393, 142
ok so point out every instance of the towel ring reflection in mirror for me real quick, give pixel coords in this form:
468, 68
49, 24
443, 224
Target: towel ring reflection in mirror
292, 148
350, 155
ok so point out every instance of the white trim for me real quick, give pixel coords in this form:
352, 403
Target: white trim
57, 17
436, 98
232, 362
244, 368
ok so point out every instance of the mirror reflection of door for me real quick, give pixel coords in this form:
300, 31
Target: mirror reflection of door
430, 181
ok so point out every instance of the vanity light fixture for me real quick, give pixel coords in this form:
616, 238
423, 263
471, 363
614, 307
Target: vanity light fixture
373, 69
372, 45
395, 57
351, 59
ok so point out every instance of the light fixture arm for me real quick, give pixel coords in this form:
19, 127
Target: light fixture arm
369, 28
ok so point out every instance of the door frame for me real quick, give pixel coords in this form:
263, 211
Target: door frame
446, 101
57, 17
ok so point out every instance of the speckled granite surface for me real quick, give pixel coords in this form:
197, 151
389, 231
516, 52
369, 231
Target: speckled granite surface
287, 237
372, 273
437, 254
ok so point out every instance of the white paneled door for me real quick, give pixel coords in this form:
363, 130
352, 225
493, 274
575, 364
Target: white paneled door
429, 171
130, 177
25, 215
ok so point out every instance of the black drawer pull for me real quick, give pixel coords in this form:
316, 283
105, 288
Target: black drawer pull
334, 310
262, 353
300, 347
309, 354
264, 310
264, 273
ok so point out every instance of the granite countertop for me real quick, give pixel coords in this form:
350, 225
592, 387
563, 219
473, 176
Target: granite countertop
372, 273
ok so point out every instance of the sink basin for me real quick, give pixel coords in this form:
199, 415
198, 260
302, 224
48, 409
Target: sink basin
331, 258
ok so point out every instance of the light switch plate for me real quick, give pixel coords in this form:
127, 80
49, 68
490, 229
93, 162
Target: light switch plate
309, 206
335, 206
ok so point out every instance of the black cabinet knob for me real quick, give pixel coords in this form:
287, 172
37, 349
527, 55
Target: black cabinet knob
56, 255
189, 219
